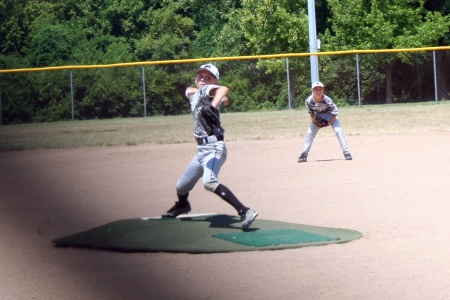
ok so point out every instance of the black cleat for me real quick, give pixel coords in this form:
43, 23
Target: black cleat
302, 158
177, 210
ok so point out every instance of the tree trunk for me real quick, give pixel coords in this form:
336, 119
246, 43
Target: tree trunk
389, 84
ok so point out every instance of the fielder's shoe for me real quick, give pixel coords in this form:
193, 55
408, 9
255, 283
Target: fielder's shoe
248, 217
348, 156
302, 158
177, 210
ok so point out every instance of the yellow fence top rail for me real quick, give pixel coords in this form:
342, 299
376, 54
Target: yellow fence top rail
181, 61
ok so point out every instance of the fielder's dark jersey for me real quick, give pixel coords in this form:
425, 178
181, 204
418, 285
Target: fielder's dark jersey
326, 106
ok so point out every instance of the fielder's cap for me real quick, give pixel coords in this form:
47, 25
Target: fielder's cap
210, 68
316, 84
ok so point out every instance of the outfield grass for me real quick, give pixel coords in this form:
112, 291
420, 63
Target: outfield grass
288, 124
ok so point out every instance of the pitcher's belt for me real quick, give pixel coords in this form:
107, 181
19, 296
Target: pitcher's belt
209, 139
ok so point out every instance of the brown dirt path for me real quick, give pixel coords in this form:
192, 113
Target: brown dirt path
394, 192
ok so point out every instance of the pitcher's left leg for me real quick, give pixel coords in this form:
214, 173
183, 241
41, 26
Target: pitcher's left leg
212, 164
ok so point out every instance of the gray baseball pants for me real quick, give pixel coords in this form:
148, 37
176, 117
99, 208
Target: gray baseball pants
206, 164
313, 130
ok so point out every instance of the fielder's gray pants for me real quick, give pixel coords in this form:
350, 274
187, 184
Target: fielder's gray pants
206, 164
313, 130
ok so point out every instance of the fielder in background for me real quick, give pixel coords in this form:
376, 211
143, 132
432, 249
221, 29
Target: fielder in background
323, 112
206, 100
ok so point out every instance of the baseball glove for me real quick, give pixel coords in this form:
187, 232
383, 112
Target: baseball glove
319, 122
209, 118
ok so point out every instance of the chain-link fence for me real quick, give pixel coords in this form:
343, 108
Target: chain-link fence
388, 78
256, 83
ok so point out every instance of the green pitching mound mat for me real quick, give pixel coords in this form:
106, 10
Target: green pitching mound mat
212, 233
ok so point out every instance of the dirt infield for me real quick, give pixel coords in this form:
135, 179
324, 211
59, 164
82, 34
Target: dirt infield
394, 192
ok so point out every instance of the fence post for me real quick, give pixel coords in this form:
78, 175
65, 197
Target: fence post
314, 59
288, 83
357, 79
435, 76
71, 94
143, 89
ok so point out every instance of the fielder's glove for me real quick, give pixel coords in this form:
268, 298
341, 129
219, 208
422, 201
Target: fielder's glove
319, 122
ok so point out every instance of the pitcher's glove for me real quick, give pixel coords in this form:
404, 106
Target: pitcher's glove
209, 118
319, 122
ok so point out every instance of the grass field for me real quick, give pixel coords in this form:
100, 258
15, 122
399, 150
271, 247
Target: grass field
288, 124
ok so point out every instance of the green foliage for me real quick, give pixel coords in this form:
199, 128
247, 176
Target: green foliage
51, 43
274, 26
247, 94
50, 96
35, 33
115, 92
12, 28
168, 36
210, 19
384, 24
13, 111
231, 41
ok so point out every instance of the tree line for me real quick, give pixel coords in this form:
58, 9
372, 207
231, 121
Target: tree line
35, 33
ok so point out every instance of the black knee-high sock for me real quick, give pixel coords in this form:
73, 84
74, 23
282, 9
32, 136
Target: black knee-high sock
224, 193
183, 199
